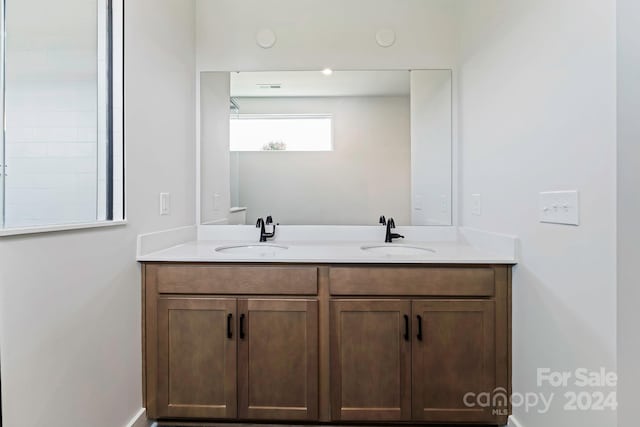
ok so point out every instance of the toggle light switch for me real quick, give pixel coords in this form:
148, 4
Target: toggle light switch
560, 207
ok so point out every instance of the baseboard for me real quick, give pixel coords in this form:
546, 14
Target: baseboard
513, 422
139, 420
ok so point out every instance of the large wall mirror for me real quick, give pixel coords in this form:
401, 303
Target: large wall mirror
326, 148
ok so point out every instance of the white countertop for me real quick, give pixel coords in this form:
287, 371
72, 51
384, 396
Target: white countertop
328, 245
327, 252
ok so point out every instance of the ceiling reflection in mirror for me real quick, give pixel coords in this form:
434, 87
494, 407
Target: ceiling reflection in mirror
326, 148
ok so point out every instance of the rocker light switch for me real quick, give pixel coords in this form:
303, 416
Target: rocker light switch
165, 203
476, 204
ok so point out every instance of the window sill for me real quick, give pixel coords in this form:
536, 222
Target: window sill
62, 227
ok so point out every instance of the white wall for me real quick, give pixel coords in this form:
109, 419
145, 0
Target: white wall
628, 210
367, 174
215, 197
431, 147
537, 105
315, 34
70, 302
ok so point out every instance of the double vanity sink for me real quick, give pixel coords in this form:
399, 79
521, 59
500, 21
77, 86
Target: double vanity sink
270, 250
366, 251
308, 331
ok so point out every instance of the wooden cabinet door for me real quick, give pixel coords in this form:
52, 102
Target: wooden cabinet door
370, 360
453, 353
196, 358
278, 359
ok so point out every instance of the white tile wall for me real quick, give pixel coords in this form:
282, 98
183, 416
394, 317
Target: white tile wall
51, 151
56, 123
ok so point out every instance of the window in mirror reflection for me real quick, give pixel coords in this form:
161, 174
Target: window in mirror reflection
277, 132
63, 140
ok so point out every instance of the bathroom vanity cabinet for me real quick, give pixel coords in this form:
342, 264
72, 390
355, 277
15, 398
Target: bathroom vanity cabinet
325, 343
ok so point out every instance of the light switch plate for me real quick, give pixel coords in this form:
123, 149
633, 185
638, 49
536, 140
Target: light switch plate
165, 203
444, 204
476, 204
560, 207
418, 202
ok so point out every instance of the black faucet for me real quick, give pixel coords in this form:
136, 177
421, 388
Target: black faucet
263, 233
391, 224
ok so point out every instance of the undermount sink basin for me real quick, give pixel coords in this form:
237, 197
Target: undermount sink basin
397, 250
255, 250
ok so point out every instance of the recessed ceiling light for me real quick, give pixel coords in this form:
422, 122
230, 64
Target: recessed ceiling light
327, 71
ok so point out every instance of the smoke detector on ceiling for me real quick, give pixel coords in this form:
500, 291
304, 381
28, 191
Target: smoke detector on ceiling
386, 37
266, 38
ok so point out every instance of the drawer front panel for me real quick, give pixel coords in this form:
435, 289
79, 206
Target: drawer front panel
231, 280
458, 281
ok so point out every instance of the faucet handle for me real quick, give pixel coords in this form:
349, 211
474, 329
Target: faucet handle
269, 220
382, 220
259, 223
392, 223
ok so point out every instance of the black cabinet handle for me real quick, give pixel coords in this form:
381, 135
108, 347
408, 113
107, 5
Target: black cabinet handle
242, 326
419, 328
406, 327
229, 320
